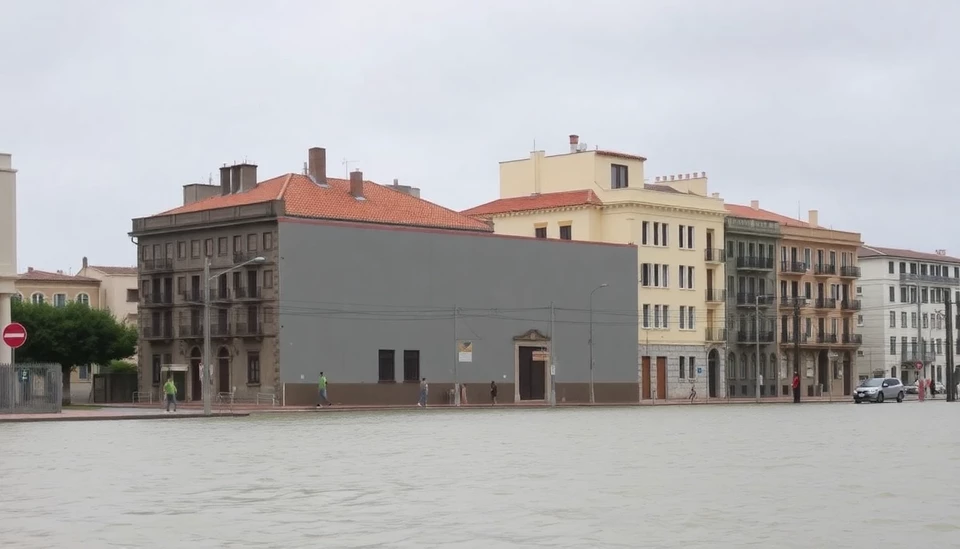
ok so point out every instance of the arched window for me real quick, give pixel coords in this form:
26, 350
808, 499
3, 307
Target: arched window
36, 298
732, 366
83, 299
773, 365
743, 366
763, 367
753, 366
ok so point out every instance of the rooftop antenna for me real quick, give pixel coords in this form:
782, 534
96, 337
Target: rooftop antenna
346, 167
210, 178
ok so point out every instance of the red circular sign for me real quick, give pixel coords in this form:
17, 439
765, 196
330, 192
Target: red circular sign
919, 365
14, 335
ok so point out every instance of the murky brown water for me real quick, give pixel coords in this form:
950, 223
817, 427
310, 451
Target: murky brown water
812, 476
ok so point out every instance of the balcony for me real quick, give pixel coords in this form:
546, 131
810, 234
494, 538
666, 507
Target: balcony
792, 302
793, 267
191, 330
911, 278
219, 294
752, 300
716, 334
825, 303
825, 269
850, 272
752, 263
163, 331
851, 339
825, 338
157, 299
716, 296
712, 255
193, 295
247, 293
850, 305
792, 338
157, 265
249, 329
220, 329
751, 336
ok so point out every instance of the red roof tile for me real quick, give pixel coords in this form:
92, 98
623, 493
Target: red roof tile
764, 215
877, 251
544, 201
304, 198
45, 276
116, 271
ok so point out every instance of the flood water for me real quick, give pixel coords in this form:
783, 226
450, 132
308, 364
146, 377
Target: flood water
787, 476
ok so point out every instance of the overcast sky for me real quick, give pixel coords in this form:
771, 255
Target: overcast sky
109, 107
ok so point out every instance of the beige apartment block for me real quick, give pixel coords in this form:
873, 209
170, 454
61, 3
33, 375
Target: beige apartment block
597, 195
119, 289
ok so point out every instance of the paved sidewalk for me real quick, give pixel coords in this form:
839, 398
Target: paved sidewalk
114, 413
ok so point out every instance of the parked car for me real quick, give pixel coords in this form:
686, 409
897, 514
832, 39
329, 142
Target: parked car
913, 389
879, 389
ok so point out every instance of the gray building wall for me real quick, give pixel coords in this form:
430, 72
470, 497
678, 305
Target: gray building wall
347, 291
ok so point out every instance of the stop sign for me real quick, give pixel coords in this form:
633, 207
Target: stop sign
14, 335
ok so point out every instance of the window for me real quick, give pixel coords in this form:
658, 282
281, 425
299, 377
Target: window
36, 298
683, 276
253, 367
387, 366
644, 231
181, 250
656, 316
890, 267
903, 320
411, 366
806, 257
251, 242
194, 249
268, 278
565, 232
618, 176
267, 240
157, 361
685, 234
903, 294
691, 321
683, 367
646, 315
222, 246
181, 285
924, 320
859, 290
237, 244
145, 252
893, 319
663, 234
690, 232
666, 317
913, 320
133, 295
859, 321
83, 371
692, 364
654, 275
208, 247
893, 294
540, 232
690, 278
83, 299
893, 345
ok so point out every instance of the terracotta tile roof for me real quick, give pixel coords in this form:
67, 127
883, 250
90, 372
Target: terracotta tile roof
626, 156
544, 201
46, 276
304, 198
764, 215
877, 251
117, 271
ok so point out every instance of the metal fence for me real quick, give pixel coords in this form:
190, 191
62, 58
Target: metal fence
30, 388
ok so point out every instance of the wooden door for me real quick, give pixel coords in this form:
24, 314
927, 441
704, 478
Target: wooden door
223, 375
645, 377
662, 377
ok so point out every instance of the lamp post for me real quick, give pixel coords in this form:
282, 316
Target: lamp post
206, 326
592, 397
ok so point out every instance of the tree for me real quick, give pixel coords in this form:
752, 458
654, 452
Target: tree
72, 336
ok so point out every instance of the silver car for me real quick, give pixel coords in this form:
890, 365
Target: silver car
879, 389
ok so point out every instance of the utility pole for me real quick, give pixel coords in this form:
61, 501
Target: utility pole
456, 358
756, 373
796, 337
553, 359
207, 352
951, 380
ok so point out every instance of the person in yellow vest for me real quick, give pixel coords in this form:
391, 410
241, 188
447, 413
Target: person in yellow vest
170, 389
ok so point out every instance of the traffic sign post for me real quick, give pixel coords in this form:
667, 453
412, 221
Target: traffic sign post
14, 335
919, 365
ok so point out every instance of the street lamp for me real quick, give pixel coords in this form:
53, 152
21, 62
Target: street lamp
206, 325
592, 397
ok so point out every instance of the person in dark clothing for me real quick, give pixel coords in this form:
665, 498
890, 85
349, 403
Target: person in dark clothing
796, 387
493, 392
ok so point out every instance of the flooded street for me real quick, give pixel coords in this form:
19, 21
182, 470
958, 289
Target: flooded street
666, 477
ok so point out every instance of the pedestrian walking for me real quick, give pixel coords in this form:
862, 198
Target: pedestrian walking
921, 389
933, 388
493, 393
322, 391
170, 389
693, 393
424, 393
796, 387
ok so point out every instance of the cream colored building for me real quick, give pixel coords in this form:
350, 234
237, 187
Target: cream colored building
119, 290
603, 196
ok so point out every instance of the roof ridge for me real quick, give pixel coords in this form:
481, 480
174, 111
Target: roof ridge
283, 188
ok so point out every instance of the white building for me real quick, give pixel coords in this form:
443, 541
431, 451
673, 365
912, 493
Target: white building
8, 245
903, 294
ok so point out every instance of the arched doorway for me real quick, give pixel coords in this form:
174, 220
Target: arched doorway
196, 385
731, 375
713, 370
823, 370
223, 370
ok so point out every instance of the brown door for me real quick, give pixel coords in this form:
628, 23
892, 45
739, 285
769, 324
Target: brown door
645, 377
196, 385
662, 377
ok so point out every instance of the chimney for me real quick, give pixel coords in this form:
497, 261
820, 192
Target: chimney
574, 142
812, 218
356, 184
225, 180
245, 177
84, 262
406, 189
29, 269
317, 165
754, 204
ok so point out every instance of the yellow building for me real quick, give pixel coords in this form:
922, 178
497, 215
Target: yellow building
602, 196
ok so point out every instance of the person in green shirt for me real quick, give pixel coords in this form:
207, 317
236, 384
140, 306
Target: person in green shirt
322, 386
170, 389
